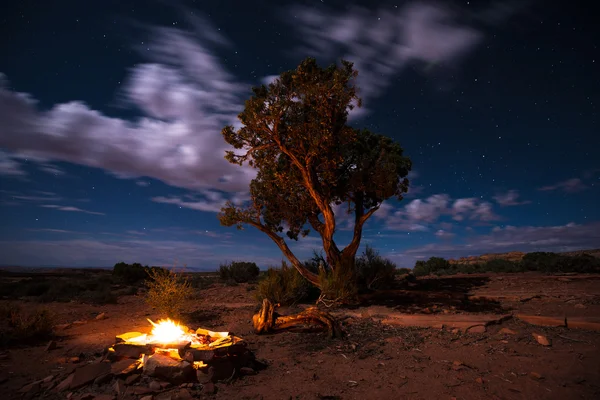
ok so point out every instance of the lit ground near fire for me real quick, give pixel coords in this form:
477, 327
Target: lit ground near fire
462, 337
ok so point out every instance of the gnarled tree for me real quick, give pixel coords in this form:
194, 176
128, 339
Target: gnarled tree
308, 159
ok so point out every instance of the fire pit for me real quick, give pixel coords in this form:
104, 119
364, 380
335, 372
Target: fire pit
172, 352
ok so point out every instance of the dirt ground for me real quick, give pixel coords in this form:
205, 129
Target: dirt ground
377, 360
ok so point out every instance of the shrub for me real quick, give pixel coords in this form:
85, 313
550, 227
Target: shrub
374, 271
432, 266
167, 291
285, 286
103, 296
339, 285
130, 273
239, 271
25, 328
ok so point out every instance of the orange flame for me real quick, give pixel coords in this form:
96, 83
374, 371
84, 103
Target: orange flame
167, 331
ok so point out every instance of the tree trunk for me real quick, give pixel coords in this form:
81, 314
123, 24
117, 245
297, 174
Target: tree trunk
268, 321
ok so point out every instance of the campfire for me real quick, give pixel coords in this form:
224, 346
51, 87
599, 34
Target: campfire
172, 352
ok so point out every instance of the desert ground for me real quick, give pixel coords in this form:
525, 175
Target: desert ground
457, 337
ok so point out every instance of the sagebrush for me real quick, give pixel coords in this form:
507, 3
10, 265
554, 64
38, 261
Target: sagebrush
167, 291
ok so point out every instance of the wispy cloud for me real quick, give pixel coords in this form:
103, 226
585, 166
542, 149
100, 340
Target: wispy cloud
185, 97
204, 200
572, 185
384, 41
9, 167
421, 214
70, 209
510, 198
142, 183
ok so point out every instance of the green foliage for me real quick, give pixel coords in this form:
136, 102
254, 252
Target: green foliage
285, 286
338, 286
435, 265
537, 261
552, 262
239, 271
374, 271
167, 291
295, 133
130, 273
20, 327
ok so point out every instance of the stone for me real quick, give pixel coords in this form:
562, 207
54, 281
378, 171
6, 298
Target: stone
148, 397
208, 388
247, 371
536, 376
31, 388
131, 379
587, 323
155, 386
65, 384
141, 390
184, 394
541, 320
580, 306
102, 379
124, 367
119, 387
164, 367
507, 331
479, 380
103, 397
541, 339
127, 350
88, 373
127, 336
51, 345
79, 322
476, 329
101, 316
62, 326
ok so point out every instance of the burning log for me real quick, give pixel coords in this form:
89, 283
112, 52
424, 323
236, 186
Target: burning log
267, 320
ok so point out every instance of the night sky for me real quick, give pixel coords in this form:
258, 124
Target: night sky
111, 112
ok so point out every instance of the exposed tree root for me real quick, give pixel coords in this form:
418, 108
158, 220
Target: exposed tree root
268, 321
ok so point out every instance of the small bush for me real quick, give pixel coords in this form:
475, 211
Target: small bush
432, 266
339, 285
374, 271
239, 271
285, 286
167, 291
130, 273
25, 328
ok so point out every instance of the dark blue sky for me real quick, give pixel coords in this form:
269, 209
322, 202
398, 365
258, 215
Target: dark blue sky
111, 111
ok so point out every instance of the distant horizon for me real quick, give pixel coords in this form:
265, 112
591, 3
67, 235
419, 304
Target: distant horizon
215, 269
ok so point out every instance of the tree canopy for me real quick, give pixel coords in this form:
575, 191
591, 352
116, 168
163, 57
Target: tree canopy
308, 159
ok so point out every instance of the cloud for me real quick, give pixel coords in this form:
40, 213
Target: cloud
70, 209
383, 42
572, 185
444, 234
510, 198
185, 97
142, 183
419, 214
9, 166
34, 196
204, 200
51, 169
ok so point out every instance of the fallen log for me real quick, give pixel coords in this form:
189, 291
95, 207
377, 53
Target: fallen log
268, 321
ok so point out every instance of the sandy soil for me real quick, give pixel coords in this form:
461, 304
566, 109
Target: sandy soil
375, 361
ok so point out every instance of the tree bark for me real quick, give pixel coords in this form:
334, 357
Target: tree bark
268, 321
